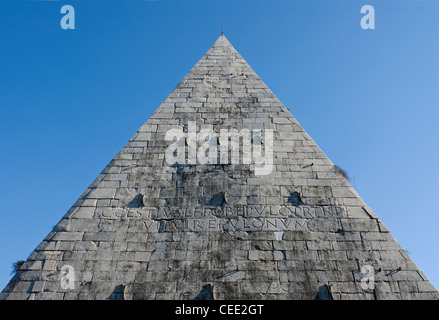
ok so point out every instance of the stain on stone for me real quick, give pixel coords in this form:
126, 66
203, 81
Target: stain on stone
161, 226
392, 272
118, 293
217, 200
181, 174
227, 274
375, 295
206, 293
136, 202
242, 235
295, 199
274, 287
87, 291
324, 293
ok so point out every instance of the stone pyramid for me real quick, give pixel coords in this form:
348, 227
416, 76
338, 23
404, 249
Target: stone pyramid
221, 194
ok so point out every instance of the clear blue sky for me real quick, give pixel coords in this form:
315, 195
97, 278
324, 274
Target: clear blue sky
71, 99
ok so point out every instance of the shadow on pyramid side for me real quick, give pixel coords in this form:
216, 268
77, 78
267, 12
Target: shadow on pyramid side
221, 194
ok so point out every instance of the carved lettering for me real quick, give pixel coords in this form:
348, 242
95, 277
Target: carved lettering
227, 218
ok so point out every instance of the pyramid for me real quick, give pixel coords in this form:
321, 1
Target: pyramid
221, 194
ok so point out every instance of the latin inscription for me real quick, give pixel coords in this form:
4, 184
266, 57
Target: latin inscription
237, 218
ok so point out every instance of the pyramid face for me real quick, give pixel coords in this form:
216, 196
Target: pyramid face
221, 194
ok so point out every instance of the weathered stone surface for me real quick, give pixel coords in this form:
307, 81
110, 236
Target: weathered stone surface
214, 229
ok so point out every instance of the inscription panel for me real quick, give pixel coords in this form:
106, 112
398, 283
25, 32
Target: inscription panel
225, 224
236, 218
174, 212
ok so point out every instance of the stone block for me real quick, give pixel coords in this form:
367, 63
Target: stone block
50, 265
359, 225
84, 212
68, 236
102, 193
38, 286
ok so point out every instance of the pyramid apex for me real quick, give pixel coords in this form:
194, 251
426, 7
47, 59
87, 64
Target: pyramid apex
222, 41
